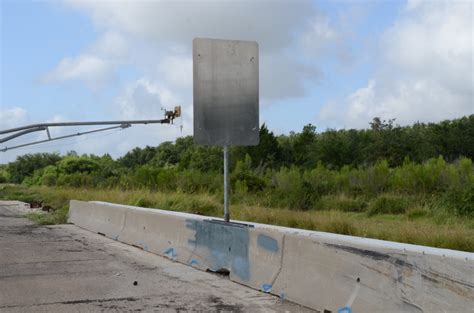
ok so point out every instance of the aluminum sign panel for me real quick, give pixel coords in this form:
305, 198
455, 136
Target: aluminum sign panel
225, 89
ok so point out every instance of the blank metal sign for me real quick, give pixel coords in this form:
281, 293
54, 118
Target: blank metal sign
225, 89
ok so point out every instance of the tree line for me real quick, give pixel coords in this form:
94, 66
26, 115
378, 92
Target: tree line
334, 149
299, 170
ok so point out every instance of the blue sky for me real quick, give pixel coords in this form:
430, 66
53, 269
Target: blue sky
35, 36
330, 63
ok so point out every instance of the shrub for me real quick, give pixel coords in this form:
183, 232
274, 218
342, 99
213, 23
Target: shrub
49, 176
33, 180
145, 176
291, 191
321, 180
240, 188
75, 180
369, 180
375, 179
460, 201
244, 178
166, 179
192, 181
434, 175
27, 164
388, 204
73, 164
251, 181
4, 176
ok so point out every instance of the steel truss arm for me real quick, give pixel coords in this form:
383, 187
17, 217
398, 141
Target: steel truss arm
23, 130
66, 136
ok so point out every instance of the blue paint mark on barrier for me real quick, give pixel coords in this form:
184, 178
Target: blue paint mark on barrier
267, 243
171, 253
282, 296
116, 237
267, 287
225, 245
194, 262
345, 309
145, 247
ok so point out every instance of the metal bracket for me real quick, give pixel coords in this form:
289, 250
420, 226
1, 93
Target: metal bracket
47, 132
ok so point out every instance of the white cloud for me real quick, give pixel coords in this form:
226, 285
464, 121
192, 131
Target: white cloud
12, 117
177, 71
162, 33
145, 99
271, 23
91, 69
320, 34
110, 45
280, 78
325, 39
154, 39
426, 72
96, 66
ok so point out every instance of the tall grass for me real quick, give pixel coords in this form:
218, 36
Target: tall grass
423, 224
319, 188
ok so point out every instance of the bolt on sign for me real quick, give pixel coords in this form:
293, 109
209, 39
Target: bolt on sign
225, 91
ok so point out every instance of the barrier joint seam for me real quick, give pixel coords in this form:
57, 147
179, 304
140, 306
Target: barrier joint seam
281, 259
123, 223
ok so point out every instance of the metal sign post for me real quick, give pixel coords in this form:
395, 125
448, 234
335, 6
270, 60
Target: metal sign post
226, 184
226, 99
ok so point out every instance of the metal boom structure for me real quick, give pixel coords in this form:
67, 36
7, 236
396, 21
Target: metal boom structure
23, 130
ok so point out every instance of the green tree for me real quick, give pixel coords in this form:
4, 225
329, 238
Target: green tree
266, 154
26, 165
302, 146
71, 165
138, 157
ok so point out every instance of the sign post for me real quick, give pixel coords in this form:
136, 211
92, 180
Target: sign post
226, 98
226, 184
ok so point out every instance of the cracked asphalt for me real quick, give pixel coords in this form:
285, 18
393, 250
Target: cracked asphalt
64, 268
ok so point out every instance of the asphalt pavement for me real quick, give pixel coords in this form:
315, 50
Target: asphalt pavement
64, 268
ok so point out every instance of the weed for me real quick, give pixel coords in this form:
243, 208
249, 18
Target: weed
388, 204
342, 202
418, 212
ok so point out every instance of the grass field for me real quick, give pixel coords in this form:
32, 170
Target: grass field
416, 225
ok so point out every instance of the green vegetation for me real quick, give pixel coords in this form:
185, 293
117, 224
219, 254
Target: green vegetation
410, 184
423, 225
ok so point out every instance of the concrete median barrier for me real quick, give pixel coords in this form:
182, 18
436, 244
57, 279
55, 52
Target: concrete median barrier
157, 231
252, 255
334, 273
265, 257
327, 272
103, 219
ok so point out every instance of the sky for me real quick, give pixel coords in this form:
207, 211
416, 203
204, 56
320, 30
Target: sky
334, 64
